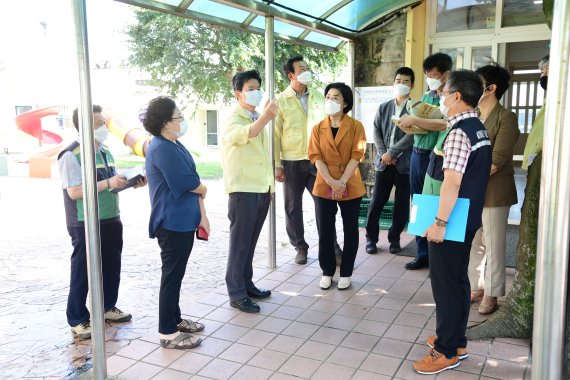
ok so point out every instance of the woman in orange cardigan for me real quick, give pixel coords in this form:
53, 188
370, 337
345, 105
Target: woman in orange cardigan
336, 147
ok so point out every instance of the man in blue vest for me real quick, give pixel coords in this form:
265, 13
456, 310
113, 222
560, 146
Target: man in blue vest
110, 227
459, 167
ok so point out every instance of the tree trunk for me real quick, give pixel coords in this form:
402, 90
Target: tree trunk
514, 318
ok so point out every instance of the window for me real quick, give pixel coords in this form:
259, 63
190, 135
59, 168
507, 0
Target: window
481, 56
465, 15
212, 127
523, 12
22, 109
525, 98
457, 55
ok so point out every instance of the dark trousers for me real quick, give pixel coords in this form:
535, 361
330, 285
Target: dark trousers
325, 210
111, 248
449, 263
383, 184
298, 177
175, 248
247, 213
418, 167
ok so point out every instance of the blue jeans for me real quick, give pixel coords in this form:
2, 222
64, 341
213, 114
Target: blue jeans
418, 168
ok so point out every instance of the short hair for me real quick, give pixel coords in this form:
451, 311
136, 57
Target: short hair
75, 117
346, 92
468, 84
289, 67
158, 112
406, 71
495, 74
240, 78
544, 61
440, 61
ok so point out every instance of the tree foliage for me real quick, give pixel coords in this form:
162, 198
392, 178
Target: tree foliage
196, 61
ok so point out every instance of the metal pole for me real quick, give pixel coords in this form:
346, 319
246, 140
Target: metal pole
270, 90
352, 67
91, 209
549, 328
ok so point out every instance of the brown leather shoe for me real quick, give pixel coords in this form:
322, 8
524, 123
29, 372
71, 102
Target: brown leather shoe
488, 305
476, 295
434, 362
461, 352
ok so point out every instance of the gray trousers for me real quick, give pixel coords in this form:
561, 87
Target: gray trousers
298, 177
247, 213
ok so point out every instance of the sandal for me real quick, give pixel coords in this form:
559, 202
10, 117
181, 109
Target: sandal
182, 341
188, 326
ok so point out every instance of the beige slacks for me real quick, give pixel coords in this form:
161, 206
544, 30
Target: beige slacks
489, 247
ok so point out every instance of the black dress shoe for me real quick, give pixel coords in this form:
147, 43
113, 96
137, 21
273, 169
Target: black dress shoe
418, 263
371, 247
395, 247
246, 305
259, 293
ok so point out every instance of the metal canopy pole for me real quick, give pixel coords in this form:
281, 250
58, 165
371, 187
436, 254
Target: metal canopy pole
550, 300
91, 209
270, 90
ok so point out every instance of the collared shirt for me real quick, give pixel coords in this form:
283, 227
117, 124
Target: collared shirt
457, 146
254, 115
304, 99
70, 168
398, 108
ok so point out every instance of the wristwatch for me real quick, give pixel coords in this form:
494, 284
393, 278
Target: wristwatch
440, 222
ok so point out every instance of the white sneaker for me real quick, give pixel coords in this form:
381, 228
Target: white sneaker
326, 282
344, 283
117, 315
82, 330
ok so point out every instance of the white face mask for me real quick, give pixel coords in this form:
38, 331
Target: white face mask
332, 107
401, 89
305, 77
183, 129
253, 98
101, 134
433, 83
442, 107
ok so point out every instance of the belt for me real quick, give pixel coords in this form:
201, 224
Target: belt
421, 151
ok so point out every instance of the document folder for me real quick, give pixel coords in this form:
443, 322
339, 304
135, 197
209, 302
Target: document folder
424, 211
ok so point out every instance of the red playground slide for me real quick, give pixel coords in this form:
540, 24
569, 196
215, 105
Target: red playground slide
30, 122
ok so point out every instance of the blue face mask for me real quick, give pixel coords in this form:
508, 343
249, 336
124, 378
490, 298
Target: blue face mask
253, 97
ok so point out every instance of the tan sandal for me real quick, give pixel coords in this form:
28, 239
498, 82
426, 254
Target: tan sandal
488, 305
182, 342
477, 295
189, 326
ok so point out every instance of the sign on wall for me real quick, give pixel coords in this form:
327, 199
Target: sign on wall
366, 102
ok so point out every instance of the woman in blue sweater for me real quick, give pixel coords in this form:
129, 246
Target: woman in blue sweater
177, 209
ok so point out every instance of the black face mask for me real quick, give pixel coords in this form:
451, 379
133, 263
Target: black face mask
544, 82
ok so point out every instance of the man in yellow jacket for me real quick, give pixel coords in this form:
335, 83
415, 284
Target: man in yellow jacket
300, 108
248, 179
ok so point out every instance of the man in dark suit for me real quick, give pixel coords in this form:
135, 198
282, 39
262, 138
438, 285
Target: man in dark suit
392, 163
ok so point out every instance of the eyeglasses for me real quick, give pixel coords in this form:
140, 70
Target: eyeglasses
178, 118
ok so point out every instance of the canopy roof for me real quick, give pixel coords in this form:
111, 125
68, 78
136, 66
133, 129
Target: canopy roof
323, 24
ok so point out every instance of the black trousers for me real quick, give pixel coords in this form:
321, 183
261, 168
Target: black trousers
448, 263
326, 210
383, 184
298, 177
111, 249
247, 213
418, 168
175, 248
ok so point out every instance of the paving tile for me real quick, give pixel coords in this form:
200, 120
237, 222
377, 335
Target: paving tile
503, 369
303, 302
329, 371
371, 327
278, 276
140, 371
365, 375
214, 299
300, 330
284, 343
518, 342
389, 303
212, 346
301, 279
342, 322
163, 356
191, 362
381, 364
230, 332
420, 308
267, 307
326, 306
511, 352
290, 268
364, 299
300, 367
117, 364
407, 372
220, 369
399, 332
289, 289
247, 319
479, 347
138, 349
314, 317
473, 364
269, 359
359, 341
170, 374
197, 309
266, 283
391, 347
252, 373
288, 312
211, 327
411, 319
457, 374
222, 314
283, 376
329, 335
417, 352
257, 338
352, 310
315, 350
274, 325
381, 315
347, 357
240, 353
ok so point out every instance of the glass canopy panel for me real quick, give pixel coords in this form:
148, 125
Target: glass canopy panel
523, 12
323, 39
218, 10
171, 2
465, 15
359, 13
311, 7
279, 27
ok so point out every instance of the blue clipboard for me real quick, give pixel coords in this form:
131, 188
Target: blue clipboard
423, 213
